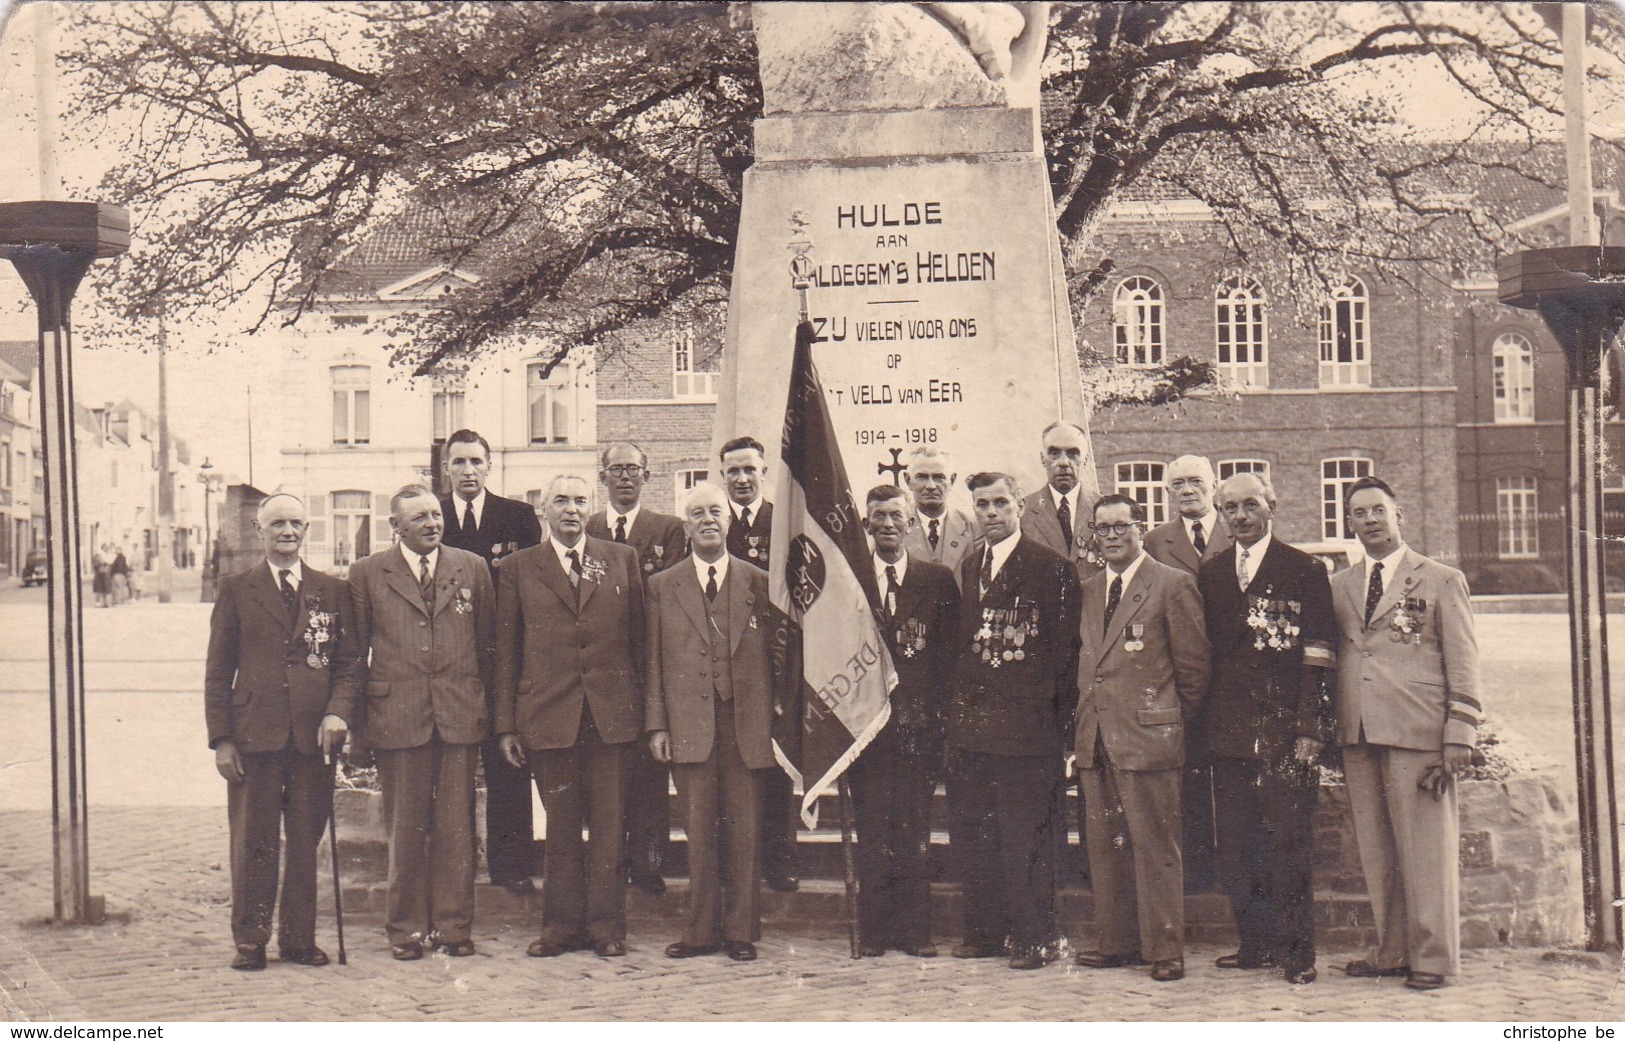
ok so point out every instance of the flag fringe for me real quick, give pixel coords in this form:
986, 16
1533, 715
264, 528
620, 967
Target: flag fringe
809, 800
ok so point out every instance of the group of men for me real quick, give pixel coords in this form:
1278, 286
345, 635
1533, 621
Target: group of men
1036, 638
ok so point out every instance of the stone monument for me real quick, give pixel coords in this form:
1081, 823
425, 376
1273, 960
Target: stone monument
903, 140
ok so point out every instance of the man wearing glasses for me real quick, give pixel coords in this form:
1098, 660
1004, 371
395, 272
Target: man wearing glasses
659, 541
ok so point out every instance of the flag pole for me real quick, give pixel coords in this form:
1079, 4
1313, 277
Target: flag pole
333, 848
845, 788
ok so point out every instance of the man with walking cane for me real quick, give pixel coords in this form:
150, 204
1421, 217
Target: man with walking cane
281, 686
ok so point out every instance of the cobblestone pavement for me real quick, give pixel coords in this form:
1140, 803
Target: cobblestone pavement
163, 955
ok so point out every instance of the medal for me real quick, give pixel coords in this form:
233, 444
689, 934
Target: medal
1020, 654
313, 661
648, 566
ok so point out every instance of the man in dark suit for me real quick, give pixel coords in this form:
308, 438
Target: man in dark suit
749, 536
280, 691
897, 773
570, 702
493, 527
1142, 670
1192, 537
1408, 709
427, 614
942, 534
1269, 618
1009, 716
710, 714
659, 542
1056, 515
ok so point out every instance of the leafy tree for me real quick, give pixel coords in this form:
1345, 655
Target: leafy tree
586, 159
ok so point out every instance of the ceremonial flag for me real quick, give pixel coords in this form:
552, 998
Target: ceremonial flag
836, 673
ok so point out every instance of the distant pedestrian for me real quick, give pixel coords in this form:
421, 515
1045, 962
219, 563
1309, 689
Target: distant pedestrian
101, 583
121, 578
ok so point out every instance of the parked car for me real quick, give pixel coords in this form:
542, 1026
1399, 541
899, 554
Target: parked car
1335, 555
36, 571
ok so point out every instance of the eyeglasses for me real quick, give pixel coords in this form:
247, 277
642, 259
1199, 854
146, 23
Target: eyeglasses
1119, 529
623, 470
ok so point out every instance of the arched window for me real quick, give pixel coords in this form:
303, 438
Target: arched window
1513, 360
1137, 322
1345, 336
1238, 329
1229, 468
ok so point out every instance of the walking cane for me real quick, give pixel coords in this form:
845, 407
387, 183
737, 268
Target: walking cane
845, 790
333, 847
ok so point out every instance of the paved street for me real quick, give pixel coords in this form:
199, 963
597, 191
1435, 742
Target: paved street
158, 841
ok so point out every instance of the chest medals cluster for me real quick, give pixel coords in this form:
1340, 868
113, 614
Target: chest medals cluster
758, 548
1274, 621
1005, 633
653, 564
500, 550
321, 630
1406, 624
464, 601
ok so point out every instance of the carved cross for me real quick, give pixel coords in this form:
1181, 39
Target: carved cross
895, 467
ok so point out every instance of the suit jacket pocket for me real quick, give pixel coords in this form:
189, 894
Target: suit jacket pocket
240, 695
377, 688
1156, 717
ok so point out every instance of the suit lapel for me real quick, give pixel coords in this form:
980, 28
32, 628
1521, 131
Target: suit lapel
400, 578
1179, 546
1094, 606
588, 586
910, 592
1046, 517
553, 576
269, 597
740, 602
448, 577
692, 598
1398, 585
1350, 584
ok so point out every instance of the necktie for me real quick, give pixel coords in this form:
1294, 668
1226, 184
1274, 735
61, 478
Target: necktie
471, 523
425, 579
935, 535
987, 570
711, 582
1198, 540
289, 596
1064, 512
1113, 598
1373, 591
620, 528
891, 590
575, 569
744, 517
1241, 569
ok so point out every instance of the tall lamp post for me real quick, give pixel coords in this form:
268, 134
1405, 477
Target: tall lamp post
207, 477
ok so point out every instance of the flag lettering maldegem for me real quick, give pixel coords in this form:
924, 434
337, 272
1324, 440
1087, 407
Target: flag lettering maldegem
836, 673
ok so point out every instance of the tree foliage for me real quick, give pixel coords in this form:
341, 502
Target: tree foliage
587, 159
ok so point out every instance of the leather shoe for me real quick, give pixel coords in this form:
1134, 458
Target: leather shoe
974, 950
519, 886
610, 948
918, 950
544, 947
1096, 960
411, 950
649, 882
739, 950
872, 950
1032, 958
457, 948
250, 957
1245, 960
315, 957
1369, 971
783, 883
1168, 970
691, 950
1425, 981
1304, 975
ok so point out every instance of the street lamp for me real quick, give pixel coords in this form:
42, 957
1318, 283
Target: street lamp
205, 477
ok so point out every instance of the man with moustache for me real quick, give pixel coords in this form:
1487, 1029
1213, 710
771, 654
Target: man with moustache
427, 614
659, 542
1270, 620
896, 775
944, 535
569, 702
1408, 709
281, 689
710, 714
744, 466
1056, 514
1009, 716
492, 527
1191, 538
1142, 670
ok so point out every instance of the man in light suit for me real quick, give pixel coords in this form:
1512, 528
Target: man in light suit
1056, 515
710, 714
1142, 670
943, 535
427, 613
1193, 537
896, 775
1270, 620
1407, 715
492, 527
280, 692
749, 536
569, 702
1009, 717
659, 542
